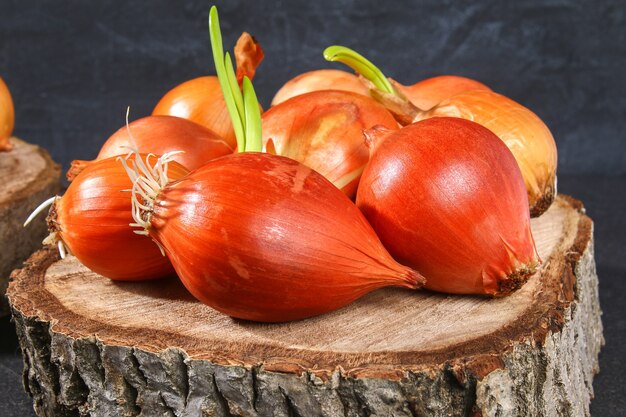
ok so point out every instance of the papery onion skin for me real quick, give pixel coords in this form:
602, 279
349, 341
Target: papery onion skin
7, 117
324, 131
431, 91
159, 135
323, 79
447, 198
262, 237
92, 219
199, 100
523, 132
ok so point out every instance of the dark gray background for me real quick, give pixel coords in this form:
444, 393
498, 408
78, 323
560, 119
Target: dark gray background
74, 66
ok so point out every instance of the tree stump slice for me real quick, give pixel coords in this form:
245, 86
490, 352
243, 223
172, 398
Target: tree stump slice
96, 347
28, 176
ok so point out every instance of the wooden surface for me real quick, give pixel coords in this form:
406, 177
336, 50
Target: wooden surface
28, 176
394, 352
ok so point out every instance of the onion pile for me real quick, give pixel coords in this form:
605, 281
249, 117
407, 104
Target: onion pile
260, 236
160, 135
7, 117
521, 130
441, 202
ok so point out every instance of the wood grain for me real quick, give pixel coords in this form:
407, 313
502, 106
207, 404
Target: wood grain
28, 176
394, 352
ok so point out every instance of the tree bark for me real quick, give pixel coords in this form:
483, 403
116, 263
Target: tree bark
100, 348
28, 177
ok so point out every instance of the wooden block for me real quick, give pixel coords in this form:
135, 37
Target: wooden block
96, 347
28, 176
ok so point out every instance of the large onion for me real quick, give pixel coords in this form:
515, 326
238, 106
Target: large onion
447, 198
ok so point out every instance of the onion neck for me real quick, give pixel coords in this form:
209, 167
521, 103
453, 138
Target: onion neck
53, 237
380, 87
243, 106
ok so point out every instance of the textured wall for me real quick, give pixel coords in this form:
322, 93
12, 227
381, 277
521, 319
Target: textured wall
74, 66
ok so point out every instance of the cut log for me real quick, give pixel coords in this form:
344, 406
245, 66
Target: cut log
96, 347
28, 176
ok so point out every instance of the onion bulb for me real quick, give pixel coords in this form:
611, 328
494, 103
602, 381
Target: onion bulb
324, 131
200, 99
447, 198
262, 237
7, 117
160, 135
91, 221
323, 79
526, 135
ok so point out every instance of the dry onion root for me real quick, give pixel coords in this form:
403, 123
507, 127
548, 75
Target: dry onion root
525, 134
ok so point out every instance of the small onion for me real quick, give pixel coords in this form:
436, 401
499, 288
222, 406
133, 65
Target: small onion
262, 237
447, 198
324, 131
160, 135
323, 79
519, 128
7, 117
91, 221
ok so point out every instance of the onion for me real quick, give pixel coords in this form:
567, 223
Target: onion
7, 117
160, 135
521, 130
447, 198
91, 221
323, 79
262, 237
200, 99
324, 131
